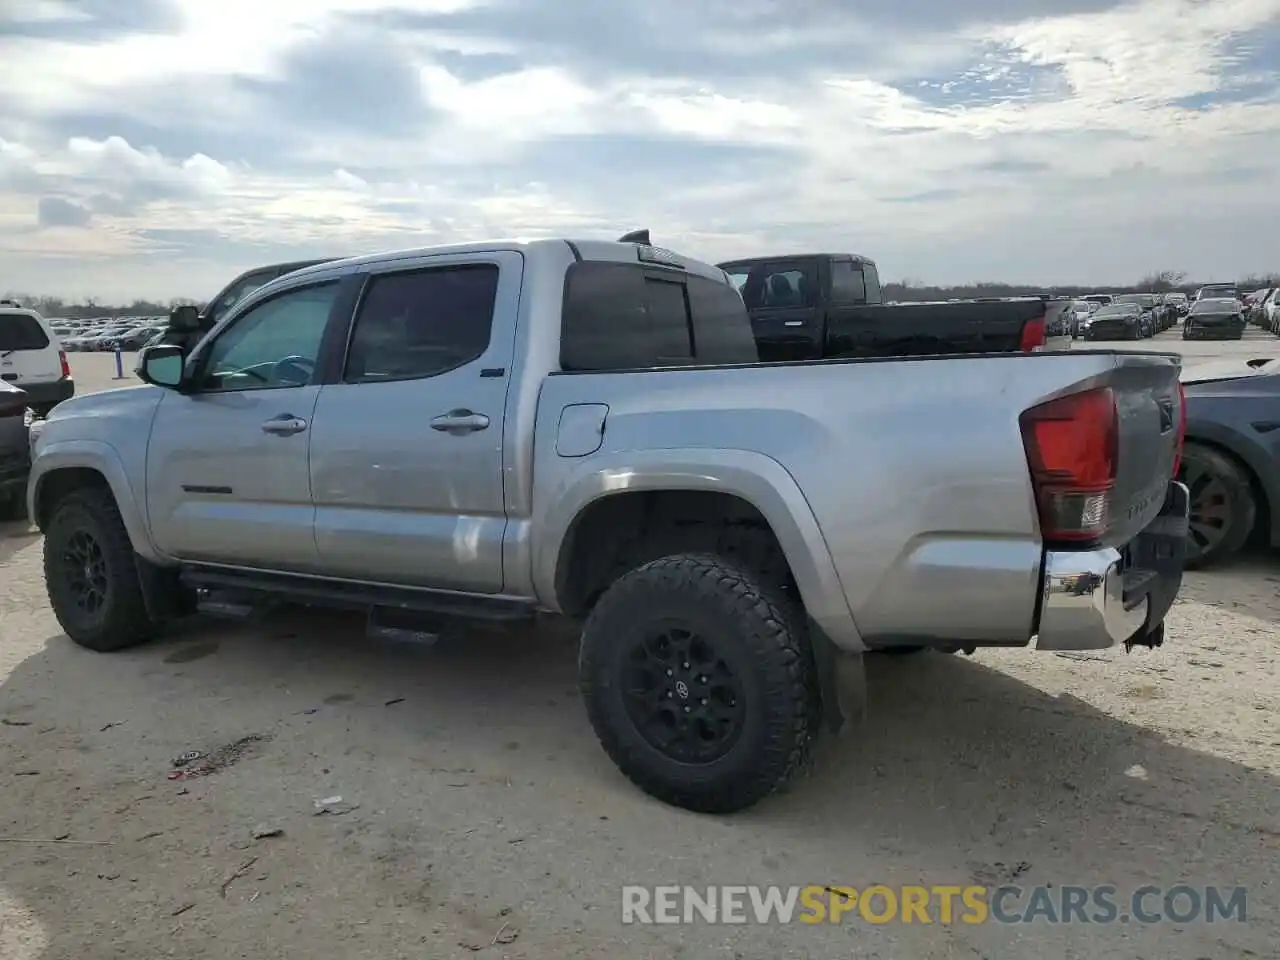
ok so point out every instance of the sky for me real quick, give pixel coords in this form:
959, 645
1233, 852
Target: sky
154, 148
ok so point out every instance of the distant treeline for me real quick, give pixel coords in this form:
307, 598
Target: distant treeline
1163, 282
58, 307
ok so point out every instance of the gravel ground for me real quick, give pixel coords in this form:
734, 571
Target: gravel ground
480, 818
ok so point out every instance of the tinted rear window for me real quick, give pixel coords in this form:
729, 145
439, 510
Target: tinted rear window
620, 316
18, 331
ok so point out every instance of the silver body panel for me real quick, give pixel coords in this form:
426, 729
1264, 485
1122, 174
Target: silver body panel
898, 489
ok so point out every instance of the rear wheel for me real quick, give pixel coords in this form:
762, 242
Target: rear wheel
92, 575
1223, 510
698, 682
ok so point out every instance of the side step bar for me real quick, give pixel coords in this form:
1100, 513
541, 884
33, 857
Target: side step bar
236, 593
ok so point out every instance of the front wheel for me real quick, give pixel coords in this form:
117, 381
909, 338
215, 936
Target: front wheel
698, 682
1223, 510
92, 576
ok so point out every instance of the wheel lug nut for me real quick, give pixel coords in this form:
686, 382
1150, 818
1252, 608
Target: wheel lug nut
703, 701
686, 709
670, 673
685, 665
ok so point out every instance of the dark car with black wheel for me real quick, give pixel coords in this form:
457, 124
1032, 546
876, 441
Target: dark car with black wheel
1217, 319
15, 452
1150, 310
1231, 462
1115, 321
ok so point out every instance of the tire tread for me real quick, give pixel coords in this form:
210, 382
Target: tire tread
127, 623
771, 634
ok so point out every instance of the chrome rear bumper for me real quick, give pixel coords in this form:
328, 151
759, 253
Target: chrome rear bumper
1093, 599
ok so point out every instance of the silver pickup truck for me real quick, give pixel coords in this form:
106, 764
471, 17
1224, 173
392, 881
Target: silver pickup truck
501, 430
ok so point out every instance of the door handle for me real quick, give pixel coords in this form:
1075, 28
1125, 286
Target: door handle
284, 425
459, 422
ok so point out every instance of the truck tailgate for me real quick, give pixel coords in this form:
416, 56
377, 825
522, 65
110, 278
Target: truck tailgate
1149, 404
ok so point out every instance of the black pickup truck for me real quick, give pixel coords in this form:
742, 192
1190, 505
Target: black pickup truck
816, 306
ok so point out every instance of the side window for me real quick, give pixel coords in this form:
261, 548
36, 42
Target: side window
721, 326
871, 281
847, 285
668, 321
423, 323
620, 316
778, 285
249, 354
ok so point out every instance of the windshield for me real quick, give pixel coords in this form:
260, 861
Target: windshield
1216, 305
1217, 290
1142, 299
238, 290
1117, 310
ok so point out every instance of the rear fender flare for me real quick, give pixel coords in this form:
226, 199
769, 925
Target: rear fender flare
753, 477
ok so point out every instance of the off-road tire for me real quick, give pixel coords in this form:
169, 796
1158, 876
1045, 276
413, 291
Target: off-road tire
122, 621
769, 649
1241, 507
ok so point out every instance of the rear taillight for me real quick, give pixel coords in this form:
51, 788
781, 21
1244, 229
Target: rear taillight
1033, 335
66, 366
1071, 446
1182, 429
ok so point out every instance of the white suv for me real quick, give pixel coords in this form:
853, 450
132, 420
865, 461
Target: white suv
32, 359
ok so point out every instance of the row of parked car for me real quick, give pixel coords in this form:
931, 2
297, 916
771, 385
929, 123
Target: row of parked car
1262, 308
1215, 311
1125, 316
108, 333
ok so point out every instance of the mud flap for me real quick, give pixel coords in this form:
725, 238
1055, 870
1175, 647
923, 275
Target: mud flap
163, 594
842, 683
1154, 561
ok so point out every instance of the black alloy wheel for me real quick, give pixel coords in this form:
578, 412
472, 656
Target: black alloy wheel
84, 572
682, 695
698, 678
91, 574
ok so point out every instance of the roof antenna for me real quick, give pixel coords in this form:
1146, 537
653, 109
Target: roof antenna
636, 236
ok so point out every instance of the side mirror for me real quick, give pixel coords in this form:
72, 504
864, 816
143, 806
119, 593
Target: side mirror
184, 319
161, 366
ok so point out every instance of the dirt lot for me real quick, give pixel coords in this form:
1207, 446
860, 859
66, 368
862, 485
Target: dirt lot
487, 822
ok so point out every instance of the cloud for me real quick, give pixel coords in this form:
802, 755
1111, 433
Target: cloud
1076, 140
56, 212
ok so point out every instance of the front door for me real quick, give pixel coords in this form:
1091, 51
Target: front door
406, 453
227, 474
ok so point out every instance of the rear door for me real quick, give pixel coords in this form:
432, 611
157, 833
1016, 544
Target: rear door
406, 451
